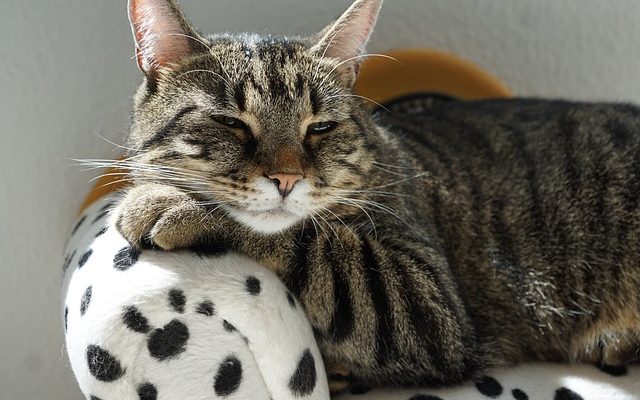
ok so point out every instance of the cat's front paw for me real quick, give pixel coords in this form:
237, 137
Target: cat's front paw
159, 215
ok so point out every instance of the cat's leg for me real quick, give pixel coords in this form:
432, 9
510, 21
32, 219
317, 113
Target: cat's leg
620, 349
611, 344
159, 215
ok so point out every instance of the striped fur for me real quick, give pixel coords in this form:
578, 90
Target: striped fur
430, 245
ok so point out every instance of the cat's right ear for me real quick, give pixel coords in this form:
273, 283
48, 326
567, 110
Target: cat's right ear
345, 39
162, 34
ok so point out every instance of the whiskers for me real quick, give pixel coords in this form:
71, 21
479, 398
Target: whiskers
338, 65
389, 171
193, 184
191, 71
116, 145
323, 77
369, 208
399, 181
201, 41
397, 170
364, 203
217, 204
130, 164
360, 97
393, 166
208, 46
364, 206
146, 172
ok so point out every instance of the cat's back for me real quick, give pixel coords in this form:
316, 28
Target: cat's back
532, 193
496, 146
532, 163
492, 127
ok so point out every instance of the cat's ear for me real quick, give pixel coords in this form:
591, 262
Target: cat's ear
346, 38
161, 33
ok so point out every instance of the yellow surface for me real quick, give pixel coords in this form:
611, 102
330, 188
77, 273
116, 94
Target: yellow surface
382, 79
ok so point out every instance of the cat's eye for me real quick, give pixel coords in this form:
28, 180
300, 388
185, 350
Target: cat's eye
233, 123
321, 127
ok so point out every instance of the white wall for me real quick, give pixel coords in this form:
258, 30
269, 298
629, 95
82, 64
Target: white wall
66, 75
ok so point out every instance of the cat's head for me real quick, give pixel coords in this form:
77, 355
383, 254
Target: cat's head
267, 128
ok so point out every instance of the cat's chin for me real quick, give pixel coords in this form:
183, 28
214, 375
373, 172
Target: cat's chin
265, 222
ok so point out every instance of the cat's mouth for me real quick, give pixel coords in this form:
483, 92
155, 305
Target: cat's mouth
266, 221
280, 211
268, 211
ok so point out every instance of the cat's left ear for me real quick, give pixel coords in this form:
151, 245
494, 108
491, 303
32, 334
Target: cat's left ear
345, 39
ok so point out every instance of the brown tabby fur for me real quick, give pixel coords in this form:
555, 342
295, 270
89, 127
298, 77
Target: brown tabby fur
455, 238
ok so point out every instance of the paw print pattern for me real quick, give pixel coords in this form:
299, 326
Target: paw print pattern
93, 221
130, 331
304, 378
489, 387
67, 261
147, 391
125, 258
169, 341
172, 339
166, 342
84, 258
78, 225
103, 365
541, 381
228, 377
163, 345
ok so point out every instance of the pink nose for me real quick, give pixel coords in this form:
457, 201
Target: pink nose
285, 182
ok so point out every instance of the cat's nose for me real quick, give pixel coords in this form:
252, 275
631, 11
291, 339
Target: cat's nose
285, 182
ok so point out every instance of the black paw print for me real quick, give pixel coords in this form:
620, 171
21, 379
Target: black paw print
171, 340
163, 343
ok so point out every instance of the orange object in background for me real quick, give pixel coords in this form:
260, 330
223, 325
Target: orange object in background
110, 181
419, 70
382, 79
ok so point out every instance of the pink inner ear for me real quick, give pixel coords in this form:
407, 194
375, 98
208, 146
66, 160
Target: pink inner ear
349, 35
160, 37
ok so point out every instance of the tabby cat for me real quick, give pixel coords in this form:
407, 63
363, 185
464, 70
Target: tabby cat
426, 246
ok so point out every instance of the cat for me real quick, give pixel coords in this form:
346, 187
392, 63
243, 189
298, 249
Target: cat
425, 247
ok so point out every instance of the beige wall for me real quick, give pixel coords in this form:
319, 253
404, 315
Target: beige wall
66, 74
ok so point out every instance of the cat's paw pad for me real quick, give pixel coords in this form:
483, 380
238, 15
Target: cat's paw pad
159, 215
